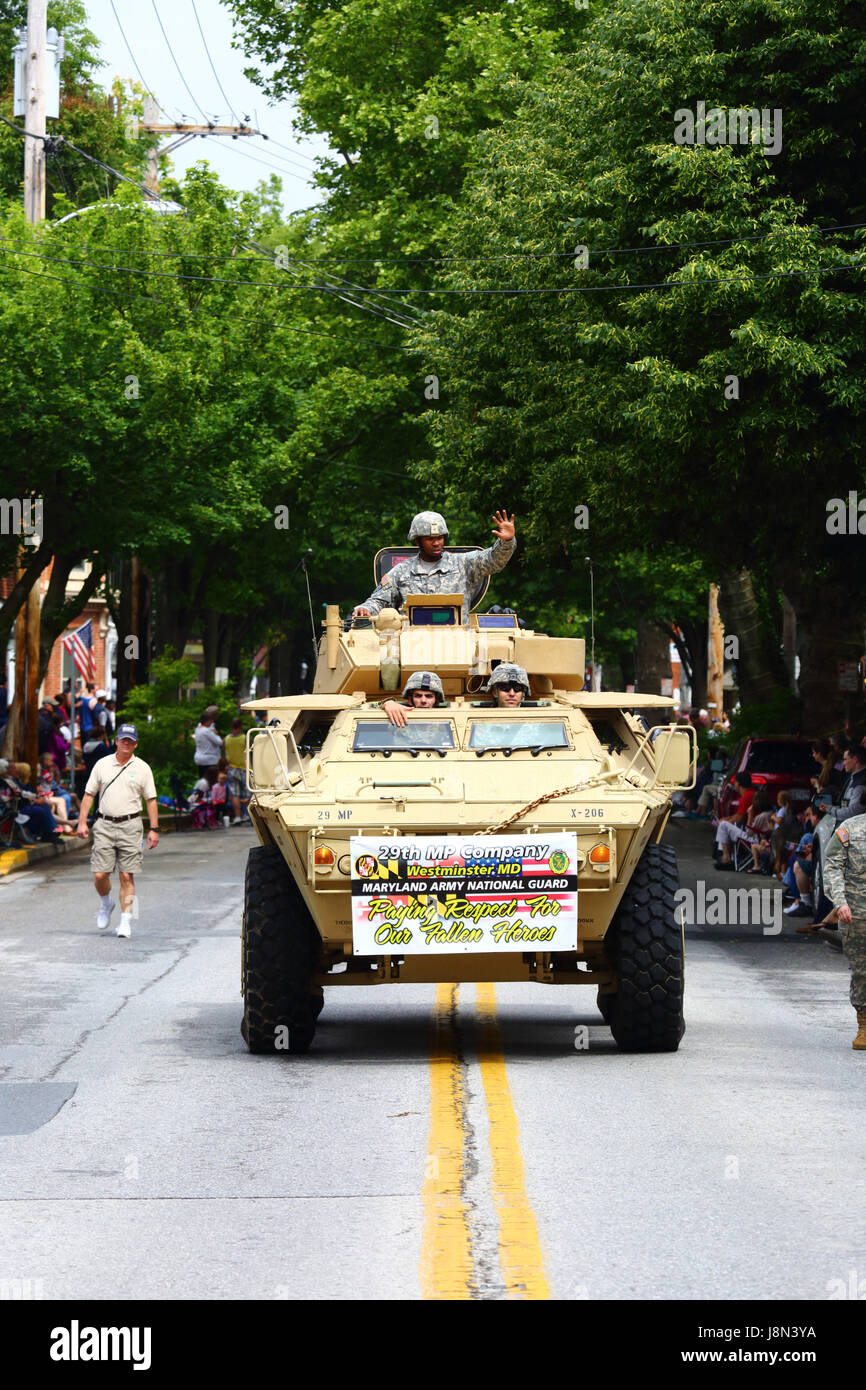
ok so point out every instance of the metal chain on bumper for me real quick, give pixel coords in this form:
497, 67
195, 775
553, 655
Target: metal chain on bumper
599, 779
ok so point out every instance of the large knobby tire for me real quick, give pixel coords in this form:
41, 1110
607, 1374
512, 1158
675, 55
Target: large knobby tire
281, 952
645, 946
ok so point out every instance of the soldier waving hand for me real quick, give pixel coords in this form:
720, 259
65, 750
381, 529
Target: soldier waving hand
434, 571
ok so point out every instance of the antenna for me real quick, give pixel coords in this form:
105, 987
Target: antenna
303, 564
588, 561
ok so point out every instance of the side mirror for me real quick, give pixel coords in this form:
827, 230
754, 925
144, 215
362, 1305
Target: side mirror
676, 750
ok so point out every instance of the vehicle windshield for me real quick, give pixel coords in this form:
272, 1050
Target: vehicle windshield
795, 759
371, 734
523, 733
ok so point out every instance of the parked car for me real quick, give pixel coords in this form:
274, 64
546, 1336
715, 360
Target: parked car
777, 764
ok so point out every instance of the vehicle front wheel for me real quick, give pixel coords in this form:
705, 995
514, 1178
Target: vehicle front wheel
645, 944
281, 948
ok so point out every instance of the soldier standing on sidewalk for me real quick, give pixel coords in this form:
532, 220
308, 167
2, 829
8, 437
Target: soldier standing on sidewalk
121, 782
845, 884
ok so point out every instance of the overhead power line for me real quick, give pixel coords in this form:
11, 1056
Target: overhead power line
79, 282
207, 118
210, 60
146, 85
292, 149
284, 159
386, 294
391, 314
269, 164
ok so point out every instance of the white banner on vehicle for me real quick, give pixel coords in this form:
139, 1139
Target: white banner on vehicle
428, 895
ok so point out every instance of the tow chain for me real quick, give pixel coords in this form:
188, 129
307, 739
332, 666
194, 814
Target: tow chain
599, 779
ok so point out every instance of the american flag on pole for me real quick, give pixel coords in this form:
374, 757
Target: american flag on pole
80, 645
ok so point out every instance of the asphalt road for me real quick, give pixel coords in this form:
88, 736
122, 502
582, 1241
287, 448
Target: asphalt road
145, 1154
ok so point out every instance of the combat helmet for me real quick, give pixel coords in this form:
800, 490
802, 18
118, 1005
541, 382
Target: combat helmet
428, 524
506, 673
425, 680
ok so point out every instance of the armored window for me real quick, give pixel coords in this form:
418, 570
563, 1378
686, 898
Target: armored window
374, 735
523, 733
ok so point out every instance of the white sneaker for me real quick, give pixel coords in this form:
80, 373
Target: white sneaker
236, 821
104, 915
124, 929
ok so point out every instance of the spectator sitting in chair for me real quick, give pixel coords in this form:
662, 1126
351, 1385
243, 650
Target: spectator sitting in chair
735, 827
61, 801
33, 806
786, 832
763, 824
798, 878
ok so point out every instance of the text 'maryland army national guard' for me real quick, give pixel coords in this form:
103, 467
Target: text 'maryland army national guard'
433, 571
845, 885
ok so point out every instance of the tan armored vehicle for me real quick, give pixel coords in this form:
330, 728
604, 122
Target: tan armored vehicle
474, 844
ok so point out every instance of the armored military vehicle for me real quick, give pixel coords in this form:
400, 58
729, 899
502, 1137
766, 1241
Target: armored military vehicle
475, 843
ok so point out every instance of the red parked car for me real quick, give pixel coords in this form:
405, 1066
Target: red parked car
776, 764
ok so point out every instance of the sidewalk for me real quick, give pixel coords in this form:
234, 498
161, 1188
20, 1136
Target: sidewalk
23, 856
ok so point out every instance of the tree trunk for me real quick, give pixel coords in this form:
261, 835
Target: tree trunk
53, 605
653, 658
692, 648
210, 642
26, 578
829, 631
284, 664
789, 641
760, 669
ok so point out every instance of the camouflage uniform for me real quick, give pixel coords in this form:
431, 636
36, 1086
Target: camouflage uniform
453, 574
845, 885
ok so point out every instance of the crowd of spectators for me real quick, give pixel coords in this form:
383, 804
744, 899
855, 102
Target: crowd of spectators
43, 806
30, 810
776, 831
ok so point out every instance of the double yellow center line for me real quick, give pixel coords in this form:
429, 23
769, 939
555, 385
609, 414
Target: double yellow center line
447, 1268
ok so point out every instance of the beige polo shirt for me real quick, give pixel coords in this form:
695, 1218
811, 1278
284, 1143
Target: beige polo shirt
124, 797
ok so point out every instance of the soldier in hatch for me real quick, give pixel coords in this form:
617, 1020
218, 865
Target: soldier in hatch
509, 685
434, 571
423, 690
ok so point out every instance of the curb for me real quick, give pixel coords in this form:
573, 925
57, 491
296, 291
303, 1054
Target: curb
23, 856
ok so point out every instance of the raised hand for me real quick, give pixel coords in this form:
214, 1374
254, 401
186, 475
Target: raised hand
504, 527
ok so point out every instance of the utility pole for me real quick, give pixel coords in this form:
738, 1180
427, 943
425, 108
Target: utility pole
34, 121
27, 628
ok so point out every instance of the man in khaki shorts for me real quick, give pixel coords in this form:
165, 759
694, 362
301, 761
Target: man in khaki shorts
121, 782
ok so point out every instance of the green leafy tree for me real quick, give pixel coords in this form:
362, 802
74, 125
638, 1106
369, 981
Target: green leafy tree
681, 345
404, 93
